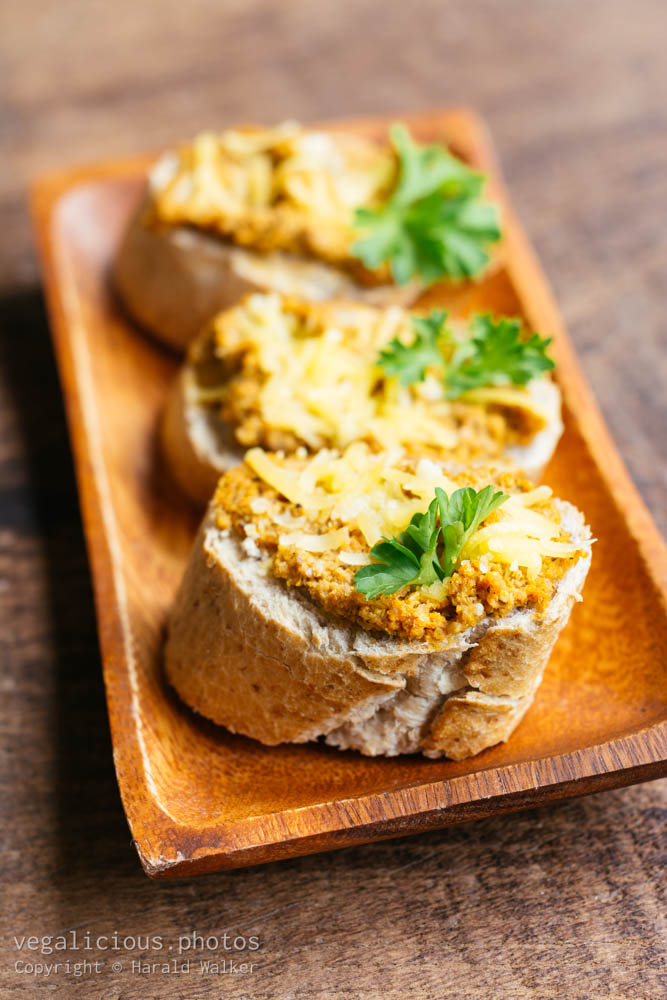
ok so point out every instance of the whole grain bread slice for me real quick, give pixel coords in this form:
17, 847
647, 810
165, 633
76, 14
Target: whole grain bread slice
264, 660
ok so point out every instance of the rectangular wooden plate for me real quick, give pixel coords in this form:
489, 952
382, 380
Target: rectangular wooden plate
199, 799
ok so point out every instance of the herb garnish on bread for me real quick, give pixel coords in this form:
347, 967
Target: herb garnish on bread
304, 212
272, 637
287, 374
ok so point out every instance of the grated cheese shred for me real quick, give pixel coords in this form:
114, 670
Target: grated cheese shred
318, 377
370, 492
275, 188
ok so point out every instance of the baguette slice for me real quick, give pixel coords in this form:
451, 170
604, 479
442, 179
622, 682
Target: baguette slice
264, 660
313, 379
199, 446
173, 280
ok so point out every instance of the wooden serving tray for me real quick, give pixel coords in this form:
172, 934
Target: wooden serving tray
199, 799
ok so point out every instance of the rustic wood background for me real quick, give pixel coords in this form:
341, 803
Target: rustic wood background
560, 901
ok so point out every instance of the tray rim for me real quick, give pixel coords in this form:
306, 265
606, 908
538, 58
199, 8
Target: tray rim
412, 808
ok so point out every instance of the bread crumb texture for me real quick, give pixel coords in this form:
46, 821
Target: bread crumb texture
314, 521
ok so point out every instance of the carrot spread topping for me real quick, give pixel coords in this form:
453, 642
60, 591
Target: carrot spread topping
286, 373
315, 528
397, 214
284, 188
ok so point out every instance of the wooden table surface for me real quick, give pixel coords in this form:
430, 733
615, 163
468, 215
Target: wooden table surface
562, 901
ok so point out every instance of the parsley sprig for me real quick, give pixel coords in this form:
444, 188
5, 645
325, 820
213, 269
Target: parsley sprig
434, 224
410, 362
496, 353
429, 548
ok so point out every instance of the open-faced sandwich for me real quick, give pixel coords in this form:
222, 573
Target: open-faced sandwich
321, 215
388, 604
291, 375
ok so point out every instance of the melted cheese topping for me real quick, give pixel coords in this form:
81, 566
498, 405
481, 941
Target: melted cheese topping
377, 495
310, 370
283, 188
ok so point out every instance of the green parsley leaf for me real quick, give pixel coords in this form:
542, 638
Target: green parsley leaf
410, 362
423, 528
496, 354
409, 559
395, 567
461, 515
433, 225
429, 548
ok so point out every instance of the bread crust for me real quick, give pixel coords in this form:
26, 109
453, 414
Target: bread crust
173, 280
197, 446
264, 660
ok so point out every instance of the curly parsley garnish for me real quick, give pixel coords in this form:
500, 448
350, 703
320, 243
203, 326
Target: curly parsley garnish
434, 224
496, 353
429, 548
